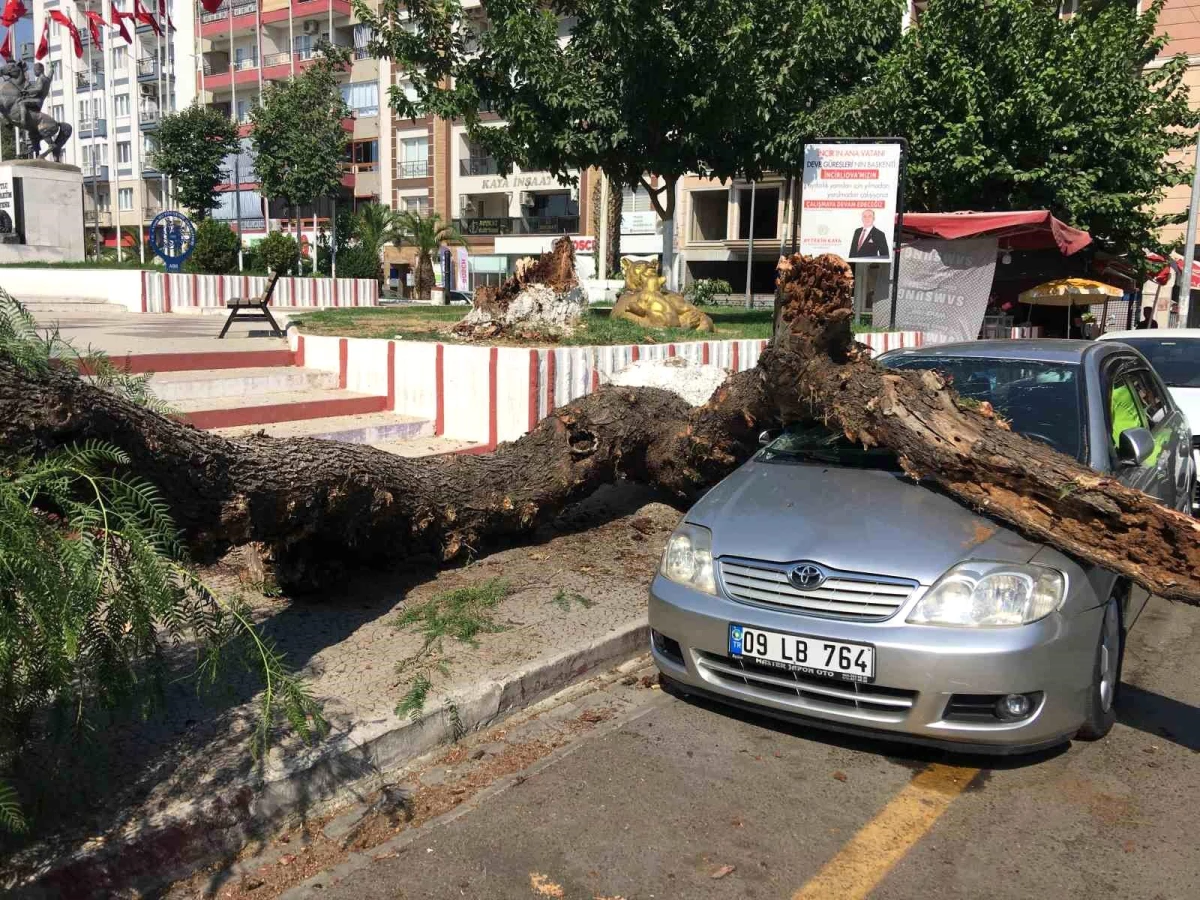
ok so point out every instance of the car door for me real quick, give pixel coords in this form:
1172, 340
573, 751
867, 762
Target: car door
1172, 463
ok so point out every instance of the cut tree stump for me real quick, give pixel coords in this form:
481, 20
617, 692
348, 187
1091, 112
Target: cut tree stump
317, 506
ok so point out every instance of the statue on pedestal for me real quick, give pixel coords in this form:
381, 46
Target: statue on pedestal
21, 102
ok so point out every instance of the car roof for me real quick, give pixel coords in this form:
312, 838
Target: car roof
1172, 333
1039, 350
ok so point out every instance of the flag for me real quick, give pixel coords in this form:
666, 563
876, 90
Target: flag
95, 23
43, 47
164, 14
211, 6
118, 19
6, 48
13, 10
145, 18
62, 19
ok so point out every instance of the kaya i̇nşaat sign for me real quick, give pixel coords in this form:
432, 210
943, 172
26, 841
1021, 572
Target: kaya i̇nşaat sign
849, 200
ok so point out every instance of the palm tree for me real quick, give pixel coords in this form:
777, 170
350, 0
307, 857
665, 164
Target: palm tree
375, 226
426, 234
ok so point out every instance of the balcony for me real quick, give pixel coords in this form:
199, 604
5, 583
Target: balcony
241, 8
478, 165
416, 168
277, 59
362, 53
149, 212
148, 68
148, 119
93, 172
101, 218
86, 81
93, 128
246, 62
519, 225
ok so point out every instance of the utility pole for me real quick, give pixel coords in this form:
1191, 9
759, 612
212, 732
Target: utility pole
1184, 280
91, 81
750, 244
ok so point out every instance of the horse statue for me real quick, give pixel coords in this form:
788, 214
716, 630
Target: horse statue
21, 104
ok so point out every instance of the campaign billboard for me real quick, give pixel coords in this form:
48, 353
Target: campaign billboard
849, 200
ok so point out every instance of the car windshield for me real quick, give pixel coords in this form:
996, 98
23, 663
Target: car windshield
1042, 401
1176, 360
816, 443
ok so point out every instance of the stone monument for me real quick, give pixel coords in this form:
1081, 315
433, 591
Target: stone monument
41, 201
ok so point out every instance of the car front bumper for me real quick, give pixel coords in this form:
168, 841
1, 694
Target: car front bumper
918, 670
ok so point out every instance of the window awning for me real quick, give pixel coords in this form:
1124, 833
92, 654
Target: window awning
1034, 229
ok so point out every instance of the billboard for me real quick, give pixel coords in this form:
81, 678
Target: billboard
944, 287
849, 200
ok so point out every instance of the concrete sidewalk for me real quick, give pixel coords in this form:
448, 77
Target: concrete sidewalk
151, 801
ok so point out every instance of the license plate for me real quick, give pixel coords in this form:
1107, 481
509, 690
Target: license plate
803, 653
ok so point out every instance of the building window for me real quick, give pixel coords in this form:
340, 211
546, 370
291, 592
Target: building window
362, 97
243, 110
55, 70
710, 215
362, 37
84, 118
124, 153
121, 106
766, 213
102, 203
552, 205
125, 197
57, 112
637, 212
414, 158
364, 155
120, 57
416, 205
245, 57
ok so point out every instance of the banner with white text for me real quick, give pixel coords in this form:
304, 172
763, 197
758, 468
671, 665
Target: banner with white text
944, 287
849, 200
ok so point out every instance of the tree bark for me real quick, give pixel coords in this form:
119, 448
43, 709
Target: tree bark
316, 505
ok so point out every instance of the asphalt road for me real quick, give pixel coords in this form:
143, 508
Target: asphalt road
662, 801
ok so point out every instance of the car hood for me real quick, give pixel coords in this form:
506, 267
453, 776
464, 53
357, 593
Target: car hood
857, 520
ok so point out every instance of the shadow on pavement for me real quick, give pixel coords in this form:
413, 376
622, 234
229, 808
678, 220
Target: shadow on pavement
1160, 716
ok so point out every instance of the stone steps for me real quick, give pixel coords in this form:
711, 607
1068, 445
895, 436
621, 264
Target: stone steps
249, 383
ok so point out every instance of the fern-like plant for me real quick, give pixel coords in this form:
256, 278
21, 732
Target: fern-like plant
94, 587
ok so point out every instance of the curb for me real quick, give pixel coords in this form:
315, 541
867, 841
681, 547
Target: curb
167, 848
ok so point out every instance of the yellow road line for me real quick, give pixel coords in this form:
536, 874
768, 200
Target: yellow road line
864, 861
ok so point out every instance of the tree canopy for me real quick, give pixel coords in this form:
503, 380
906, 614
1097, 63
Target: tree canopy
190, 147
298, 135
1008, 105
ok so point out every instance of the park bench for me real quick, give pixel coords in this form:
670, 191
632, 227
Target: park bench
253, 309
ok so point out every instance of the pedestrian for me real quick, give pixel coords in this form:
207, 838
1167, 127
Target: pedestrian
1147, 320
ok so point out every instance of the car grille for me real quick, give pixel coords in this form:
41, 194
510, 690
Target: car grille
843, 595
734, 672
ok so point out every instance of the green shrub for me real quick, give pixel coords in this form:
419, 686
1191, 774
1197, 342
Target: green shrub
358, 262
278, 252
703, 290
216, 250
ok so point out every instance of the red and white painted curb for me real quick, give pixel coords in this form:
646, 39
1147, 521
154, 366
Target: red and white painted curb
164, 292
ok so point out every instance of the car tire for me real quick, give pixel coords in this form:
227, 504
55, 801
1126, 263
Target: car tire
1106, 674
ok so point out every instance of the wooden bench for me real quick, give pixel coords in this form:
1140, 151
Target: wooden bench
253, 309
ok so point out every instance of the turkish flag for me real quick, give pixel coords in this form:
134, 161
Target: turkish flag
95, 23
118, 19
145, 18
61, 18
13, 10
211, 6
43, 47
6, 48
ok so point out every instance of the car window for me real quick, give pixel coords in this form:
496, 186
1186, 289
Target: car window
1176, 360
1042, 401
1155, 406
1135, 401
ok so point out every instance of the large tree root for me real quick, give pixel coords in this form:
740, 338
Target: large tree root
314, 504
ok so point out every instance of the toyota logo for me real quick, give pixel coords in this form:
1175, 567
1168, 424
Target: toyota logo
807, 577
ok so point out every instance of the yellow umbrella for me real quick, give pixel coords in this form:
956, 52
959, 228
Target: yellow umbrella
1070, 292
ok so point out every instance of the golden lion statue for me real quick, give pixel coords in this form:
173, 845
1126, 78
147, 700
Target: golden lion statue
643, 300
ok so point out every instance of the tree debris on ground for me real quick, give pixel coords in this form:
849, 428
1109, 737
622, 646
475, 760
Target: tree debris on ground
315, 506
543, 297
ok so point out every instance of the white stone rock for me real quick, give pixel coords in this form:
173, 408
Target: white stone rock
694, 383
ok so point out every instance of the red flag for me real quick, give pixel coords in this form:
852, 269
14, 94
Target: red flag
6, 48
165, 14
118, 19
211, 6
95, 23
43, 47
61, 18
13, 10
145, 18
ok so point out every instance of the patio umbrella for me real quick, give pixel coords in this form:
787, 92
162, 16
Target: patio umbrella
1071, 291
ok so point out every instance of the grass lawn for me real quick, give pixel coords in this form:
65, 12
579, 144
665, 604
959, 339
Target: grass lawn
433, 323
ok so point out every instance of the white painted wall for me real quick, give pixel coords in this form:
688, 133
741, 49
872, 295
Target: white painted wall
465, 374
366, 366
123, 286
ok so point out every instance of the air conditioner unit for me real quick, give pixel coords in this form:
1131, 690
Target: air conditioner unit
526, 198
147, 90
312, 26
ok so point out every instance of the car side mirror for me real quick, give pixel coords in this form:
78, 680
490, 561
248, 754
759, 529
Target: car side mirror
1134, 446
765, 437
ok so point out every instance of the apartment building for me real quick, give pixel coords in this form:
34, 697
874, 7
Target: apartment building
114, 95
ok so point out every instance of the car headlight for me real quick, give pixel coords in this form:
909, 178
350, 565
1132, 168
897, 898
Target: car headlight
981, 594
688, 558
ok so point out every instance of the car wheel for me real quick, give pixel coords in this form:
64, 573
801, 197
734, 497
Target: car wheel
1106, 675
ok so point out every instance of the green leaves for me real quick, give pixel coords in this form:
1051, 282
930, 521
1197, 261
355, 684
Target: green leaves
190, 146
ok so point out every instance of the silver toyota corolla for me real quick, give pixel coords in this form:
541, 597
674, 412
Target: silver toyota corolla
819, 583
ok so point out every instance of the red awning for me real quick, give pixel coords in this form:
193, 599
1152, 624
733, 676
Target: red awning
1034, 229
1174, 263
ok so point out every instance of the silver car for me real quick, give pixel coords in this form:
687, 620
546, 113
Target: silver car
819, 583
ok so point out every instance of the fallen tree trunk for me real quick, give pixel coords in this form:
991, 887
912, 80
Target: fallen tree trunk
315, 505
